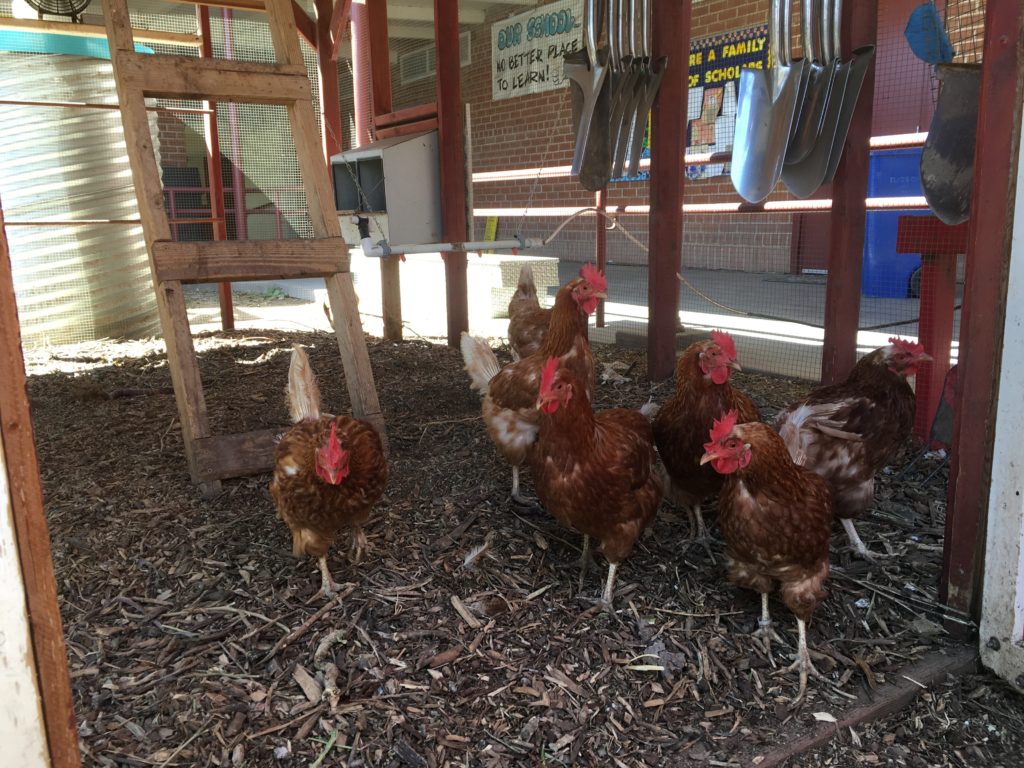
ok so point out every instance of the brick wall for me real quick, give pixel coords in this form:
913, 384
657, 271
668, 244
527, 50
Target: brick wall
171, 133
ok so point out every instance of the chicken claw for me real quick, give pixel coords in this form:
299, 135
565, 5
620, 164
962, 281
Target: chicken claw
857, 543
803, 664
330, 587
584, 560
765, 629
355, 553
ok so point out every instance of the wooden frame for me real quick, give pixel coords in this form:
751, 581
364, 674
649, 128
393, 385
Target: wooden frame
172, 264
31, 532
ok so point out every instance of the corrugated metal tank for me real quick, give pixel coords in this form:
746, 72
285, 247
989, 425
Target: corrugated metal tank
73, 283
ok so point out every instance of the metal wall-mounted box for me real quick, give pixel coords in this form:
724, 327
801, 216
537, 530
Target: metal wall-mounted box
399, 177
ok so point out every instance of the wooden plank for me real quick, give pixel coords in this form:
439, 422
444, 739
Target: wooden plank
354, 356
891, 697
981, 320
305, 26
236, 5
245, 453
330, 101
451, 141
927, 234
339, 20
668, 144
175, 77
938, 294
846, 235
95, 30
391, 298
399, 116
406, 129
236, 260
33, 540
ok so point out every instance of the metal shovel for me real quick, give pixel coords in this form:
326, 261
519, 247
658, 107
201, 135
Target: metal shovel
641, 64
765, 106
588, 69
627, 83
655, 71
819, 73
856, 70
947, 159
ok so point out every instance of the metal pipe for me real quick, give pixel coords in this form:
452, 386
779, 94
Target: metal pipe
90, 105
382, 249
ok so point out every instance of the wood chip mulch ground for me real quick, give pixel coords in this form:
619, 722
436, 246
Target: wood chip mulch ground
195, 639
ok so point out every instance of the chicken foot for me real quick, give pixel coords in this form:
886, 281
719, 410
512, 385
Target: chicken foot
699, 531
802, 663
584, 560
516, 496
855, 541
765, 630
330, 587
358, 546
609, 586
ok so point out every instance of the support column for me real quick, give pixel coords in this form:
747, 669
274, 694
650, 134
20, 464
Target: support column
846, 233
981, 321
380, 86
453, 162
330, 102
213, 172
668, 145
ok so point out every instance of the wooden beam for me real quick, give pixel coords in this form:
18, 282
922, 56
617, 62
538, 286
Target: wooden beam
174, 77
451, 141
32, 534
846, 233
981, 320
403, 11
305, 25
330, 101
234, 5
213, 171
235, 260
380, 90
246, 453
95, 30
665, 222
408, 115
340, 16
406, 129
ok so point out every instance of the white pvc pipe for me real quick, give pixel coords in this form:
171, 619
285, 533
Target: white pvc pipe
381, 250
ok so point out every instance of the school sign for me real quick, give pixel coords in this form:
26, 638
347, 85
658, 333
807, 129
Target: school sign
527, 50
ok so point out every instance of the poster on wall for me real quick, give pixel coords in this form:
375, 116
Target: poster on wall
715, 64
527, 50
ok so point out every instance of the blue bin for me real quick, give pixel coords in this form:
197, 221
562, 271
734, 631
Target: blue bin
886, 274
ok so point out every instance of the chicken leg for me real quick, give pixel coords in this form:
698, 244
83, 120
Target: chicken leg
330, 587
516, 497
765, 631
584, 560
855, 541
358, 547
802, 663
609, 586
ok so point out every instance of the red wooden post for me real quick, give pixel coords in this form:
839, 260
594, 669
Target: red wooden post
330, 103
671, 38
999, 119
452, 149
938, 245
213, 171
846, 237
601, 246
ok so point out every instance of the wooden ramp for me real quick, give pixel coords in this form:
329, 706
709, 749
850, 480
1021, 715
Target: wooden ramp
213, 457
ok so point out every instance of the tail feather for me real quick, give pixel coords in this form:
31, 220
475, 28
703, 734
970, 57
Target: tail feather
303, 392
650, 409
526, 286
481, 364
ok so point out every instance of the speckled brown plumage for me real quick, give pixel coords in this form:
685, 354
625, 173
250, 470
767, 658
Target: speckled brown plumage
681, 426
528, 322
314, 510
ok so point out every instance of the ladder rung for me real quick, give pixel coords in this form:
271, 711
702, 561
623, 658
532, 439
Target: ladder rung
236, 260
246, 453
177, 77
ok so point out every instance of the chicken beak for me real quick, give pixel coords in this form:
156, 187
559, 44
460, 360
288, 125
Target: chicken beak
709, 456
601, 295
924, 357
734, 365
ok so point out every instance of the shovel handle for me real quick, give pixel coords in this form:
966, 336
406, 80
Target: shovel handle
810, 30
591, 23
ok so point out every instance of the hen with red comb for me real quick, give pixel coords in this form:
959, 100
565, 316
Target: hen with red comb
848, 432
702, 394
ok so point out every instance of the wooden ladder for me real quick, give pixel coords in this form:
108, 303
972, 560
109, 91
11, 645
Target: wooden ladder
212, 458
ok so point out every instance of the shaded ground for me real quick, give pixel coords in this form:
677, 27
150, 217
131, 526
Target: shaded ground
188, 622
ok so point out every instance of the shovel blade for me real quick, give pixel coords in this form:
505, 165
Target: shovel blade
947, 159
766, 102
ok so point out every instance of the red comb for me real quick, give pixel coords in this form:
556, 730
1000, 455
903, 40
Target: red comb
334, 452
593, 275
548, 376
907, 346
724, 425
724, 340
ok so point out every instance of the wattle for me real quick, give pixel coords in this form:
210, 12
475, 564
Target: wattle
589, 305
719, 375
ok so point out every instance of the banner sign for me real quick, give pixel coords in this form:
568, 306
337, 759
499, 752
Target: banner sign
527, 49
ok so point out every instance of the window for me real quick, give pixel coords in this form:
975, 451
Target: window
421, 64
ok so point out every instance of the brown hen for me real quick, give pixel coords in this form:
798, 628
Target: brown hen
703, 393
527, 321
847, 432
510, 393
775, 518
595, 473
329, 471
